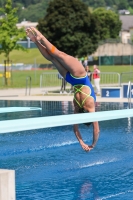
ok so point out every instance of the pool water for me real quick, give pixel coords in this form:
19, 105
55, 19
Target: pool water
50, 164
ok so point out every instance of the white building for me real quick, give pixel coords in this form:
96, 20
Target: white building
127, 28
124, 12
25, 24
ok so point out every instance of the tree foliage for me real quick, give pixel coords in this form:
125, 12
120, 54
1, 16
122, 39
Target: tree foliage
68, 25
73, 29
9, 33
109, 24
33, 10
37, 11
117, 4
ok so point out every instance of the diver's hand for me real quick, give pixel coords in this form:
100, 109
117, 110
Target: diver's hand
37, 33
85, 147
91, 147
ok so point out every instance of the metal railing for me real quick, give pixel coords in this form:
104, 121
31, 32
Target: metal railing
28, 85
125, 77
48, 79
109, 78
129, 94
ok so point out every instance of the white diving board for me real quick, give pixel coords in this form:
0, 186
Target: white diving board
61, 120
17, 109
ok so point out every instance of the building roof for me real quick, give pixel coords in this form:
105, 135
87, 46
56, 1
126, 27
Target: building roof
27, 24
127, 22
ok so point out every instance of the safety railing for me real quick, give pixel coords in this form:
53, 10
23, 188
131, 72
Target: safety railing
53, 81
129, 94
28, 85
109, 78
125, 77
50, 79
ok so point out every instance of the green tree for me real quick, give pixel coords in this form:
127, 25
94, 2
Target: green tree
9, 33
109, 24
36, 12
123, 4
33, 10
130, 2
68, 25
130, 10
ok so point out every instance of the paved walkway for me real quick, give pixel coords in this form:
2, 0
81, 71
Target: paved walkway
37, 94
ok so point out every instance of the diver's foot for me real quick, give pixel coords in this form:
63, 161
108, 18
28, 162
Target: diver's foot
36, 33
30, 34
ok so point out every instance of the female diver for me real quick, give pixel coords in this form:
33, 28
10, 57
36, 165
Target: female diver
74, 73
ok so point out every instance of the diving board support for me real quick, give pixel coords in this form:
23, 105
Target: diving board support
7, 184
61, 120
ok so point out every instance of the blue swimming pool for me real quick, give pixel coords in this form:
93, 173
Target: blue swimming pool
50, 164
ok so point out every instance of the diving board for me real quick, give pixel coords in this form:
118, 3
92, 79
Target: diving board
17, 109
61, 120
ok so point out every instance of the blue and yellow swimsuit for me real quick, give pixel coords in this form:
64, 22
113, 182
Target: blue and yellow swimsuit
82, 82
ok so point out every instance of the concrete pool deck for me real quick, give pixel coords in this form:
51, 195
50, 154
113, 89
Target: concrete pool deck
38, 94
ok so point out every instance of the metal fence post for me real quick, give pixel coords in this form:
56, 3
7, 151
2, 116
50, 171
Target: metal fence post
28, 83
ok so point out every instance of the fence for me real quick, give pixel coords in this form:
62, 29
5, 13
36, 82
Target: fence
109, 78
111, 60
27, 44
109, 52
112, 53
19, 66
28, 85
49, 79
126, 77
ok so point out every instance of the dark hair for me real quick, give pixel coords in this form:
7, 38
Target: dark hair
81, 110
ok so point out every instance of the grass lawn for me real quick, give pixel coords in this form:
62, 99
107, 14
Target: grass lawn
18, 79
118, 69
27, 57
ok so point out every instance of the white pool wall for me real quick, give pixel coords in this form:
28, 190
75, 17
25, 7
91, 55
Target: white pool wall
7, 184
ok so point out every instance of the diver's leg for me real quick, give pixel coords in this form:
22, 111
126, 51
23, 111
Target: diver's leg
62, 70
70, 63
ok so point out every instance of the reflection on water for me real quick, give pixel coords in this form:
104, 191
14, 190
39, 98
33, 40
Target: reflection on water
86, 191
129, 124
